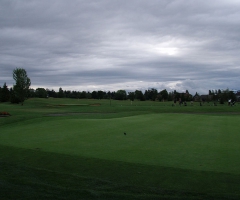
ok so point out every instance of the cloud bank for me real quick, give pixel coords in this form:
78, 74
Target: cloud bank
111, 44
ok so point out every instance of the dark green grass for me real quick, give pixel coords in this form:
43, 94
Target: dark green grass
44, 175
169, 152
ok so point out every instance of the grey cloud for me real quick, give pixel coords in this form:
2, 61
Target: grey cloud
111, 44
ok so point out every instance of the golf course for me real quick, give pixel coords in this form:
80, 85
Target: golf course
107, 149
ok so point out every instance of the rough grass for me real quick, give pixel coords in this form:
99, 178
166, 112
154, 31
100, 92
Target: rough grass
168, 152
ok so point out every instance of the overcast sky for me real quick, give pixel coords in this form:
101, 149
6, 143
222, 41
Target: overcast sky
107, 45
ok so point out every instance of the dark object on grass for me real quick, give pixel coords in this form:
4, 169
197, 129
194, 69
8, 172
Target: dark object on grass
4, 114
125, 133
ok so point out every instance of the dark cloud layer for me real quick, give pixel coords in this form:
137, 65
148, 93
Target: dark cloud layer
112, 44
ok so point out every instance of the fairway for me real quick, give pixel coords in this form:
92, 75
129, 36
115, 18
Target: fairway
177, 152
188, 141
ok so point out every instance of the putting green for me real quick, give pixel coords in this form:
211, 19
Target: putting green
187, 141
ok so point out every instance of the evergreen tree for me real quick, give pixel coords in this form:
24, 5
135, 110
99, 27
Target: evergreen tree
5, 94
60, 93
13, 97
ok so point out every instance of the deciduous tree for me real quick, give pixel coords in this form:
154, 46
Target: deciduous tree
41, 93
121, 95
22, 84
163, 95
131, 96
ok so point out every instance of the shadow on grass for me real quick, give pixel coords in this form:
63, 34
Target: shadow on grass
34, 174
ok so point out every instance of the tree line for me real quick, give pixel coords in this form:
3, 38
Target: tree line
150, 94
21, 91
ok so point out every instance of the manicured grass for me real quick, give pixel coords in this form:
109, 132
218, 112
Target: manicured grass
168, 152
155, 139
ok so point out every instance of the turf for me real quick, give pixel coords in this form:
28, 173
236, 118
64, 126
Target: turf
168, 152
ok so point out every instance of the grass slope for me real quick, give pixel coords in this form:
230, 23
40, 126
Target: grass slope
165, 154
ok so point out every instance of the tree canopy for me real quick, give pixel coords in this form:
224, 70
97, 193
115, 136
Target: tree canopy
22, 85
